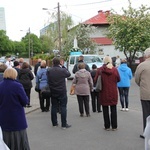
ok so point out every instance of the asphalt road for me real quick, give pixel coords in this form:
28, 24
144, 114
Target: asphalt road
87, 133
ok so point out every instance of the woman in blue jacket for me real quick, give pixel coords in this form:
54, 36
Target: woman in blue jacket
12, 116
41, 78
124, 84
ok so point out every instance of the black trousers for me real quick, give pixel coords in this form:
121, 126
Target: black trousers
83, 101
28, 92
110, 119
44, 102
146, 111
95, 101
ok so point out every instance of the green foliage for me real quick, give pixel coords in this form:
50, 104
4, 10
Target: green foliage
47, 44
19, 47
34, 42
6, 45
43, 56
52, 33
131, 31
82, 33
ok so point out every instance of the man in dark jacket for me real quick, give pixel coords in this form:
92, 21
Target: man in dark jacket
37, 66
81, 60
57, 83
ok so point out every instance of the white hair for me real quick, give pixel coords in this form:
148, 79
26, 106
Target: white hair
147, 52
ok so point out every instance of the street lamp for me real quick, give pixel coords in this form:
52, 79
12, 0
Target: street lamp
29, 43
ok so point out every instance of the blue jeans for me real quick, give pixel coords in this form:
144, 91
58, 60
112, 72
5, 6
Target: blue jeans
124, 96
62, 100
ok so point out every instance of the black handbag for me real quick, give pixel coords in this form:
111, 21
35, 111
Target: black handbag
37, 87
45, 92
98, 87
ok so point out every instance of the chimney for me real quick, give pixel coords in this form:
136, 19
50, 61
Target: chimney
100, 11
107, 12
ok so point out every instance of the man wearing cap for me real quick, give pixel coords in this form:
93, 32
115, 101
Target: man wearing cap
142, 75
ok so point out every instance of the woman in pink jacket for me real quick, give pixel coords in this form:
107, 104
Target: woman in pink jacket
83, 86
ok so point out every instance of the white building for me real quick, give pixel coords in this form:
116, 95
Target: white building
105, 45
2, 19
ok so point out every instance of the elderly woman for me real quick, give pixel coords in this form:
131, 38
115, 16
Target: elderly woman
108, 96
3, 67
83, 86
25, 77
12, 116
41, 78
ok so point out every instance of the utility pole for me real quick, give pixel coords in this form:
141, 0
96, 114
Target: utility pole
59, 30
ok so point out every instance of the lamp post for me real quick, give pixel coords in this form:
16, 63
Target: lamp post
29, 43
59, 31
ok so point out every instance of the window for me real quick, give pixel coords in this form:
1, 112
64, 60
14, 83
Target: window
91, 59
72, 60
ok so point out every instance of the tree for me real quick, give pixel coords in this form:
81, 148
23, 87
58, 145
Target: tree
6, 45
130, 31
82, 33
68, 33
19, 47
52, 33
47, 44
34, 42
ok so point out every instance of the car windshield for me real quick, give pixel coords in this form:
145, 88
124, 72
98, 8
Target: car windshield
92, 59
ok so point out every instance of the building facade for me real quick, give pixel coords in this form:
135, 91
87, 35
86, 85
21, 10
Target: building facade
104, 44
2, 19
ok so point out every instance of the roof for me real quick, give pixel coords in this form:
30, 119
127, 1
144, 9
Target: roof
100, 18
102, 40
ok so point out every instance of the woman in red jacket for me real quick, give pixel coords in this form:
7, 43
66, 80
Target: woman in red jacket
108, 96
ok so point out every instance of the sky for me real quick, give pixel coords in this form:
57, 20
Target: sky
20, 15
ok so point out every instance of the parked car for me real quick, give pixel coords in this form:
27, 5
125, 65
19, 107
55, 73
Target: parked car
89, 59
3, 59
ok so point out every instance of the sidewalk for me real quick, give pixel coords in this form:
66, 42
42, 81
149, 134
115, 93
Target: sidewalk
34, 101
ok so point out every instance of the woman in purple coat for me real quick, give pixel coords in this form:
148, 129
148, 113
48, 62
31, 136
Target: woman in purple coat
108, 95
12, 116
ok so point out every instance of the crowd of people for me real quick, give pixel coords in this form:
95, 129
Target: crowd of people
16, 82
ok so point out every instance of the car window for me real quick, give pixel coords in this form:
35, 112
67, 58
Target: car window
72, 59
91, 59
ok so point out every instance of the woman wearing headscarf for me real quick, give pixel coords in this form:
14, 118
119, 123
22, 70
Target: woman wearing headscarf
108, 96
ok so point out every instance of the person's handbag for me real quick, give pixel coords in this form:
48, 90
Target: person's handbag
46, 92
37, 87
98, 87
72, 90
